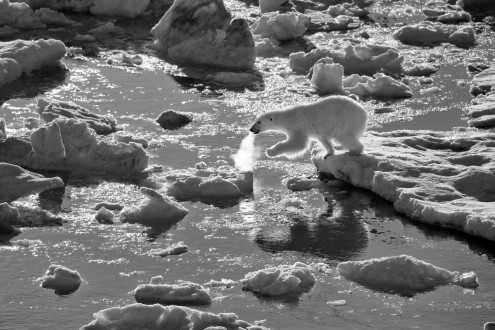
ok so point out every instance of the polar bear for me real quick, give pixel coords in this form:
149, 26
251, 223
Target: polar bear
333, 118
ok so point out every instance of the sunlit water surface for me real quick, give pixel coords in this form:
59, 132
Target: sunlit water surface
338, 222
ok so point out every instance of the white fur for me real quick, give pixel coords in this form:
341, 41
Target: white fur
333, 118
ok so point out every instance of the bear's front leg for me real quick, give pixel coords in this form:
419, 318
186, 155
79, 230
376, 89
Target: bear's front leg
293, 145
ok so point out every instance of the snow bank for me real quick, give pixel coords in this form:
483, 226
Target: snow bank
70, 145
441, 178
210, 38
185, 293
429, 33
209, 184
22, 56
63, 280
403, 274
281, 27
50, 110
276, 281
16, 182
174, 249
158, 317
122, 8
156, 210
359, 59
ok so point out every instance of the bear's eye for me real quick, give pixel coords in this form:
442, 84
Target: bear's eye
259, 121
271, 118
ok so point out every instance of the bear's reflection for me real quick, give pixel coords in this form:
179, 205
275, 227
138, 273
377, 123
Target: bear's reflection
338, 233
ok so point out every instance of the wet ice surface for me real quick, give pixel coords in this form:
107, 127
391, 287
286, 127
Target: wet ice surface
333, 224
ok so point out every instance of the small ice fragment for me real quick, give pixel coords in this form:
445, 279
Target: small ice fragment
337, 302
63, 280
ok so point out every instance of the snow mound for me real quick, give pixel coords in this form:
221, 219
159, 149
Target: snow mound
62, 279
16, 182
281, 280
70, 145
23, 56
440, 178
281, 27
185, 293
157, 317
429, 33
209, 184
50, 110
359, 59
156, 210
402, 274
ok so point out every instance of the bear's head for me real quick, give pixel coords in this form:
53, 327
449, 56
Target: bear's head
263, 123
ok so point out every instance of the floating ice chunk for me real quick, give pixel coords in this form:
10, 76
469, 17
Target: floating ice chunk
237, 79
300, 184
379, 86
421, 69
16, 182
104, 216
129, 138
327, 77
454, 17
9, 216
52, 17
268, 47
431, 90
281, 27
402, 274
468, 280
434, 33
157, 317
337, 303
107, 28
276, 281
62, 279
84, 38
224, 282
185, 293
123, 58
156, 210
223, 182
108, 206
173, 250
122, 8
50, 109
26, 242
23, 56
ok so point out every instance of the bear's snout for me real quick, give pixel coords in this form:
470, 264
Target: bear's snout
254, 130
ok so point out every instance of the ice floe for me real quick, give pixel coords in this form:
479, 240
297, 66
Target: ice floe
402, 274
70, 145
443, 179
172, 250
184, 293
483, 82
429, 33
159, 317
300, 184
211, 38
280, 280
281, 27
359, 59
209, 184
16, 182
156, 210
50, 110
23, 56
106, 29
20, 15
62, 279
104, 216
481, 115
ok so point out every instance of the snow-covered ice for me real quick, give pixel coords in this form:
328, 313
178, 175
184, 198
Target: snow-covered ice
62, 279
429, 33
281, 27
184, 293
156, 210
280, 280
172, 250
158, 317
23, 56
400, 274
443, 179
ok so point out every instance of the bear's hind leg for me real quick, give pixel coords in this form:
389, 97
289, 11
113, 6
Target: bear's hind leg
353, 145
294, 145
